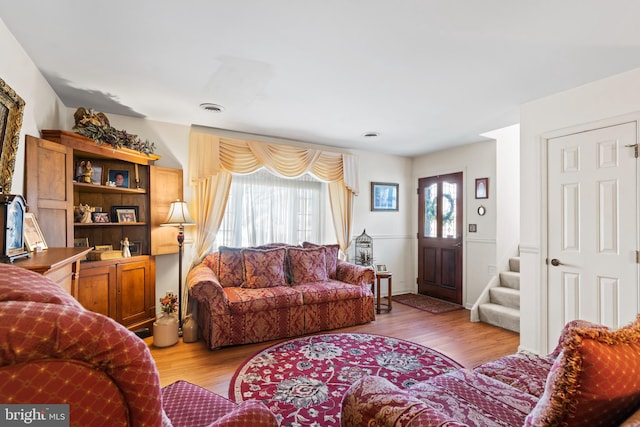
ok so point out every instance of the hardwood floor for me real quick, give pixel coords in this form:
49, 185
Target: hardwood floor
449, 333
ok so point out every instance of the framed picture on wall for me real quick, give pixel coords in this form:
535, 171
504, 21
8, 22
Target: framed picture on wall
482, 188
384, 196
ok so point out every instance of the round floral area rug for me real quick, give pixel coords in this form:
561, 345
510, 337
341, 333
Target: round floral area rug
303, 380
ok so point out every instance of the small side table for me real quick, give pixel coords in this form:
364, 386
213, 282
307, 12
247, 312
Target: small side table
383, 275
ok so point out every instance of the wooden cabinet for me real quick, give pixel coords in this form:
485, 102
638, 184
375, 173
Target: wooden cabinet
123, 289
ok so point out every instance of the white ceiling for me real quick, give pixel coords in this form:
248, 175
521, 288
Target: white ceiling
425, 74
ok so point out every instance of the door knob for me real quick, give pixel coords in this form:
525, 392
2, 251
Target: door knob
555, 262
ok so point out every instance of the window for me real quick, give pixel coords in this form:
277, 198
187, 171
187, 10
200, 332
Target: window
264, 208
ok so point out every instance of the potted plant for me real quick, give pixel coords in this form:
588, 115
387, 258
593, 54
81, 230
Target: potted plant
166, 329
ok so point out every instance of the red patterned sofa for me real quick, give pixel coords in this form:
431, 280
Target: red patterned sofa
591, 379
248, 295
52, 351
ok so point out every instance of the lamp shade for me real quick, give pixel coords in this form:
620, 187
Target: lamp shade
179, 214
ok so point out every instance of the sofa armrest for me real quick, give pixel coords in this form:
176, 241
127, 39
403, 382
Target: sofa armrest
375, 401
204, 286
354, 274
65, 338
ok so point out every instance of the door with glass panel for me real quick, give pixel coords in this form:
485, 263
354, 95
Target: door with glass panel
440, 237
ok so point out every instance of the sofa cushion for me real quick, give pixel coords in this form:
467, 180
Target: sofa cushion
230, 266
263, 268
595, 377
329, 290
331, 256
524, 371
247, 300
474, 399
306, 265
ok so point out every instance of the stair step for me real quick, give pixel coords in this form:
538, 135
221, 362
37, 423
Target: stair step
514, 264
510, 279
500, 316
508, 297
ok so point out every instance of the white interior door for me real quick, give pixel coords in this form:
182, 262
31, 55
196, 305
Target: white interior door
592, 273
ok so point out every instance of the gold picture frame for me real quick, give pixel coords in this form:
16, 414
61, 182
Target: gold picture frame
11, 111
33, 237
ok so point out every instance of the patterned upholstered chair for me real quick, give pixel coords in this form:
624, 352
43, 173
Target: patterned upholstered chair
592, 378
52, 351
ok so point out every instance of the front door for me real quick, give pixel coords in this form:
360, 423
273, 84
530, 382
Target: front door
440, 237
592, 272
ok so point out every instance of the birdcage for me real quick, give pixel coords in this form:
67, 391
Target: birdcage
364, 249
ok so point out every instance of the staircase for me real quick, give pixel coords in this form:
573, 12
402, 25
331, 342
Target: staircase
500, 303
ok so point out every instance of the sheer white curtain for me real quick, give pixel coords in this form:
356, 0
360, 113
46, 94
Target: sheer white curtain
265, 208
213, 158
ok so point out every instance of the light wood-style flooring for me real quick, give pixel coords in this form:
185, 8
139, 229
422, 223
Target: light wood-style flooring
449, 333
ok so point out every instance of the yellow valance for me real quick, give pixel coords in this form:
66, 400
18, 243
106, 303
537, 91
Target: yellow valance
212, 153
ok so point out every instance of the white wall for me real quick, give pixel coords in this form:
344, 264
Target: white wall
507, 194
392, 241
479, 249
603, 99
43, 108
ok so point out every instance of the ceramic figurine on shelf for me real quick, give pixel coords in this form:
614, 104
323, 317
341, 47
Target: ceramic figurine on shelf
86, 171
86, 213
126, 252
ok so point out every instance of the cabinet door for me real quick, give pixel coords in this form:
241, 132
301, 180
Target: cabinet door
136, 293
97, 289
49, 189
165, 186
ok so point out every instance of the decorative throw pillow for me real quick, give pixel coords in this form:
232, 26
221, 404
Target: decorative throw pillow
213, 262
230, 267
307, 265
596, 377
331, 255
263, 268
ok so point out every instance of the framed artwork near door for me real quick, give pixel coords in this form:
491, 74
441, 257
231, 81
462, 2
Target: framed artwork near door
384, 196
482, 188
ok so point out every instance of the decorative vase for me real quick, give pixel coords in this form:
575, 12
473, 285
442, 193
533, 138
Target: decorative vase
189, 329
165, 330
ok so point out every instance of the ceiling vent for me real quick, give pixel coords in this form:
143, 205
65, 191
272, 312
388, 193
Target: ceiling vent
371, 134
212, 108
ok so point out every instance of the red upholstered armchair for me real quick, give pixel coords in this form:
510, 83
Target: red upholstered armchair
52, 351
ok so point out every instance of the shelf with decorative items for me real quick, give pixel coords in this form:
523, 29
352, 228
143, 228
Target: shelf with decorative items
104, 200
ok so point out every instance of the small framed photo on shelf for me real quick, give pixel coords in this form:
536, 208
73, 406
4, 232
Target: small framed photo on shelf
124, 214
482, 188
381, 268
81, 242
134, 247
384, 196
100, 217
120, 177
33, 237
